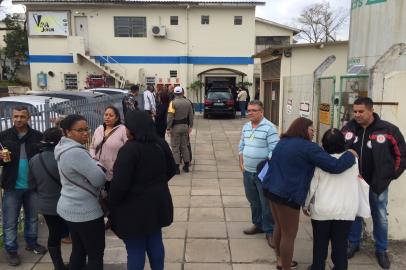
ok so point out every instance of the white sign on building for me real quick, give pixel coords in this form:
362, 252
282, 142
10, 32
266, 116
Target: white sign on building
48, 23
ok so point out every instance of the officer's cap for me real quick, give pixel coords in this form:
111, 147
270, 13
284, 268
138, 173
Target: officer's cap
178, 90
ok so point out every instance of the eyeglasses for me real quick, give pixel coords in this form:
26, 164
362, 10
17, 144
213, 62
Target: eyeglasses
252, 110
82, 130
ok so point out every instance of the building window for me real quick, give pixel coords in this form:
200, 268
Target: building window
173, 73
174, 20
205, 19
273, 40
265, 42
237, 20
71, 81
130, 26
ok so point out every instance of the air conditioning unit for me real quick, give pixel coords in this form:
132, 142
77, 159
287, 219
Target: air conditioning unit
159, 31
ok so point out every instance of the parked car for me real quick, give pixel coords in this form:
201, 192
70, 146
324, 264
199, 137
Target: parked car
108, 91
219, 101
71, 95
36, 105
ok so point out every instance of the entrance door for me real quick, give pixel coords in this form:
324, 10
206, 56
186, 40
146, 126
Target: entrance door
219, 82
271, 101
82, 30
275, 103
267, 99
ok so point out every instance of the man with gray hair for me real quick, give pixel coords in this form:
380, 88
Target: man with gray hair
258, 139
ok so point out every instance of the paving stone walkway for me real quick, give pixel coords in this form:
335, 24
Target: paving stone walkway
210, 213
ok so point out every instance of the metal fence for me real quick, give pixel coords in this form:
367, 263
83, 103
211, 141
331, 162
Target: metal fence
44, 116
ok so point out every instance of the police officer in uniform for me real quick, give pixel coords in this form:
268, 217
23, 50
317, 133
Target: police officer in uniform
180, 123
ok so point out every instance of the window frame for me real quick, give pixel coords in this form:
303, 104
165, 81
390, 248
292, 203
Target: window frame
171, 20
68, 81
203, 19
133, 29
236, 18
173, 73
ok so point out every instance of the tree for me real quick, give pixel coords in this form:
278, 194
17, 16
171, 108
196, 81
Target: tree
319, 23
16, 40
196, 87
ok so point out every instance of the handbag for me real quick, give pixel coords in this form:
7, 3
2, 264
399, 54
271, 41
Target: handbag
101, 197
364, 209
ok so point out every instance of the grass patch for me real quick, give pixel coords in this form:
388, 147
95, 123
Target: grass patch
4, 84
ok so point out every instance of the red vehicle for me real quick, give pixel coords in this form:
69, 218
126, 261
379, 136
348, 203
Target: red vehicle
95, 81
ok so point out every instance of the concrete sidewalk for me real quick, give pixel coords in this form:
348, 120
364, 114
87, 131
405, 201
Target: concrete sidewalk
210, 213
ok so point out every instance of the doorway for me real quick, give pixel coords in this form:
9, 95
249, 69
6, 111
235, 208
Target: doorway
81, 30
219, 82
271, 101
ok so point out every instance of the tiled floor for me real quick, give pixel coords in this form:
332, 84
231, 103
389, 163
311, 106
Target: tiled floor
210, 213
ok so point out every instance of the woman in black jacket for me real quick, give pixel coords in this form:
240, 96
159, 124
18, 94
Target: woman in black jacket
44, 178
162, 112
139, 197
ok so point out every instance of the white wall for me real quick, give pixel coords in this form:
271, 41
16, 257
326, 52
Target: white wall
265, 29
221, 38
393, 92
306, 59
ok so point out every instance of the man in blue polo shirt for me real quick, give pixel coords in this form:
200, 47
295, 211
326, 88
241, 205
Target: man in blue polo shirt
258, 139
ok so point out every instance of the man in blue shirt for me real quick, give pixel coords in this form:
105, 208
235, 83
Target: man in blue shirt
258, 139
23, 143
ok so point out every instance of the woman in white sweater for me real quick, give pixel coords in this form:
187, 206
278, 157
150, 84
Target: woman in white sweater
332, 203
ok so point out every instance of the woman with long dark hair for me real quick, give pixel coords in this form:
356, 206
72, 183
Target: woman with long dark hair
162, 113
141, 173
291, 170
107, 140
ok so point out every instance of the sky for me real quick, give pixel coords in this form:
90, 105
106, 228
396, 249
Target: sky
285, 11
280, 11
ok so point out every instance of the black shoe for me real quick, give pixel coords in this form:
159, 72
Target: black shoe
36, 248
253, 230
12, 258
351, 250
186, 167
269, 240
177, 171
56, 256
383, 259
293, 265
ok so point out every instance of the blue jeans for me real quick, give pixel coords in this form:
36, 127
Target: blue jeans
379, 219
136, 248
12, 202
261, 214
242, 107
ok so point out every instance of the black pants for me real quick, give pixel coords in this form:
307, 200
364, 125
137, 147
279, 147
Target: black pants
57, 228
88, 239
335, 231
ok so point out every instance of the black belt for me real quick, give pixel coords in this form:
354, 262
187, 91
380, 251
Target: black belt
180, 121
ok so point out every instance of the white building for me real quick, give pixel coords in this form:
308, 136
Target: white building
146, 42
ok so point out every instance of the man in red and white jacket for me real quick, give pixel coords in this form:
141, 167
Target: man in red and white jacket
382, 158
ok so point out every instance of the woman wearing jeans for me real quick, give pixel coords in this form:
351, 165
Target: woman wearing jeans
82, 180
291, 169
139, 197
